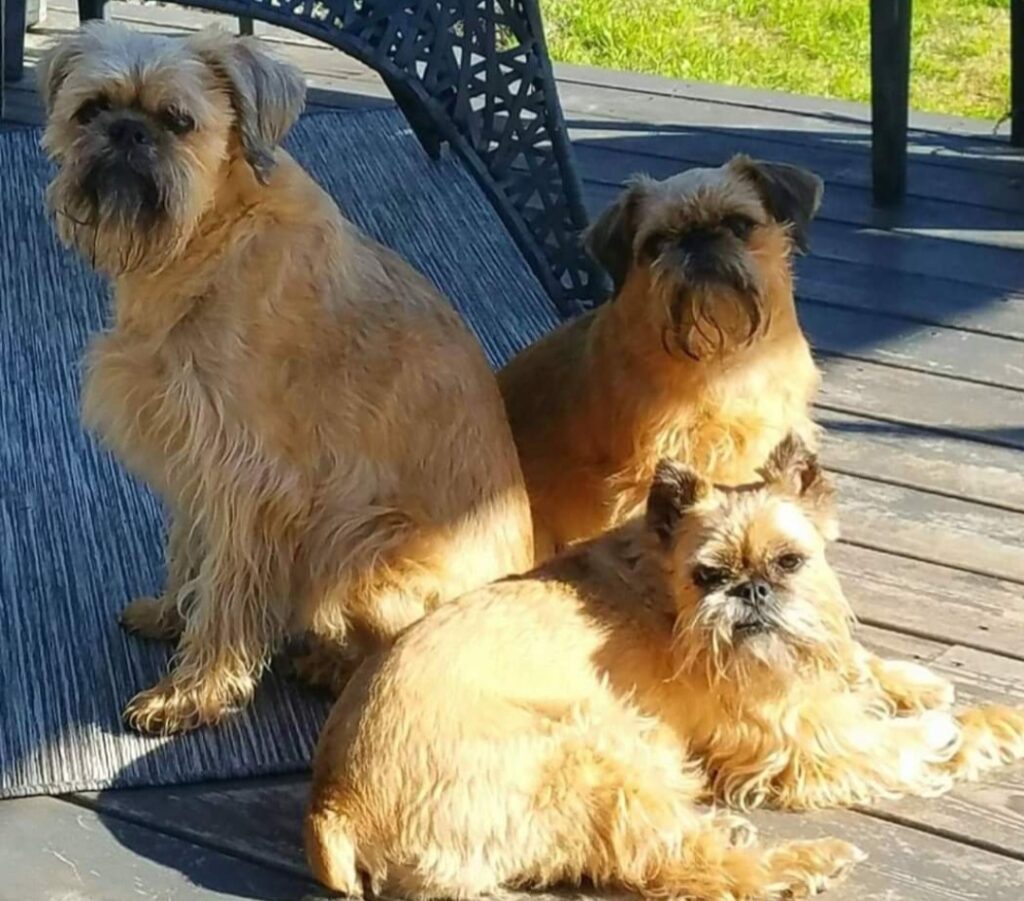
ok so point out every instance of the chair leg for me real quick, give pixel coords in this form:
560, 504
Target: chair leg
13, 36
91, 9
1017, 73
890, 97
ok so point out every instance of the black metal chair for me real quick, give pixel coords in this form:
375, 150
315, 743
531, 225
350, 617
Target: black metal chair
475, 75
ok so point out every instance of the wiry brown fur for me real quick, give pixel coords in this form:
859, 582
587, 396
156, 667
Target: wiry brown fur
699, 360
560, 725
268, 371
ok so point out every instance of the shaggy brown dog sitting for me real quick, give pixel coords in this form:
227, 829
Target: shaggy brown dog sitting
326, 433
698, 357
561, 725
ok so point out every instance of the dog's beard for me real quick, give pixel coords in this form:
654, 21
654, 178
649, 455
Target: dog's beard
120, 218
722, 638
707, 313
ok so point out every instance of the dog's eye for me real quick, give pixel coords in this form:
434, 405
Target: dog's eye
740, 226
790, 563
709, 576
177, 121
91, 109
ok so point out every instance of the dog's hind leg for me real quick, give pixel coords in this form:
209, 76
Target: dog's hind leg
161, 617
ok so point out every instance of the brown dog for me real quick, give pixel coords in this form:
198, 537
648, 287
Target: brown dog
698, 357
267, 371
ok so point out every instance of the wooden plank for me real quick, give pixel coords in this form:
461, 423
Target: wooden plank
920, 298
976, 412
921, 459
932, 601
57, 851
945, 530
900, 646
899, 342
260, 819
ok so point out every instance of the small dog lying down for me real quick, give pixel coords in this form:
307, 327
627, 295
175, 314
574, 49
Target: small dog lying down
560, 725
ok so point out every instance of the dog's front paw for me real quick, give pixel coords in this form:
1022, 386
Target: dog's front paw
992, 736
801, 869
912, 688
154, 618
167, 708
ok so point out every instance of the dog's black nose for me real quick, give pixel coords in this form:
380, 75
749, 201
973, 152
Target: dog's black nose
698, 241
129, 132
755, 592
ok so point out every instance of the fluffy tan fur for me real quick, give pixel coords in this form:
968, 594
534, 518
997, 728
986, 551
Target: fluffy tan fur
560, 725
267, 371
698, 357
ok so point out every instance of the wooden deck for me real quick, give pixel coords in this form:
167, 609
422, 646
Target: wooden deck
917, 317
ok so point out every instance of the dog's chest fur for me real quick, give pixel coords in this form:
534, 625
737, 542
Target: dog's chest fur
184, 379
726, 428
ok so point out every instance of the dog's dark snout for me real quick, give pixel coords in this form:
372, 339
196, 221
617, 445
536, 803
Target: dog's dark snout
755, 592
697, 241
129, 132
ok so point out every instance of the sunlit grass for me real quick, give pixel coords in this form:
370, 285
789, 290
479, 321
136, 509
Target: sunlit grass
961, 48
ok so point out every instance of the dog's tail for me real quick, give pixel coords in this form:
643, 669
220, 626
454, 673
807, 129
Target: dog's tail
331, 851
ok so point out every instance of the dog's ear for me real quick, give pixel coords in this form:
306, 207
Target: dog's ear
675, 489
267, 95
789, 194
610, 239
54, 66
795, 469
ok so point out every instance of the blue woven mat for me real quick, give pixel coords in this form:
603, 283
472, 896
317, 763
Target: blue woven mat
79, 538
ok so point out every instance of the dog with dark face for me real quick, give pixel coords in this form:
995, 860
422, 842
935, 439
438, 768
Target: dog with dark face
566, 721
266, 371
699, 356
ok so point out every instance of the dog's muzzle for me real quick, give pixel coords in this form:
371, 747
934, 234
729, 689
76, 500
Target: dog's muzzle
757, 598
698, 265
706, 257
122, 179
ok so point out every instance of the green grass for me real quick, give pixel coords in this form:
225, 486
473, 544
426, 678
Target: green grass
960, 49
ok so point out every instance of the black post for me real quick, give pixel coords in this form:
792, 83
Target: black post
12, 32
91, 9
1017, 72
890, 97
